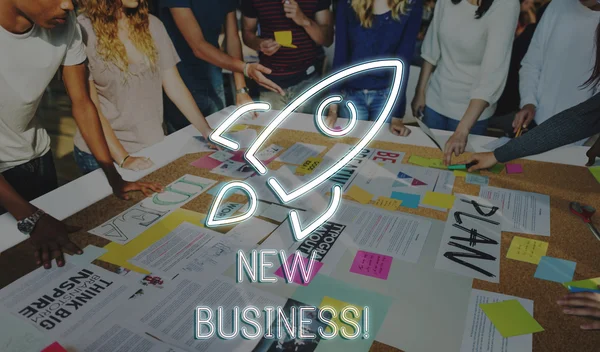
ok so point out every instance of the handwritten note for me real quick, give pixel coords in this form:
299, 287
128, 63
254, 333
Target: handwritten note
359, 195
527, 250
477, 180
372, 264
309, 165
284, 38
387, 203
437, 164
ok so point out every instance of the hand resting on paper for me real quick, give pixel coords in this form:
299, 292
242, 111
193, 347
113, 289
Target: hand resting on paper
583, 304
50, 240
482, 161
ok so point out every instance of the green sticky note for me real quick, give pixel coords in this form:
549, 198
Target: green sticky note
595, 170
510, 318
497, 168
418, 160
437, 164
591, 284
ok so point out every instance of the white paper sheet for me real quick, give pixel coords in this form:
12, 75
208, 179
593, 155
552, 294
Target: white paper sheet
385, 232
299, 152
462, 220
245, 138
497, 143
276, 212
250, 232
480, 334
523, 212
137, 219
68, 301
169, 316
17, 335
196, 144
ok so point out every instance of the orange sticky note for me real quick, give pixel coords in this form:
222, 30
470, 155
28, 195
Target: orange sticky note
359, 195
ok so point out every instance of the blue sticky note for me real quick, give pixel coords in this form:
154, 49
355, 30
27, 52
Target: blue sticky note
408, 200
214, 189
323, 286
477, 180
554, 269
90, 253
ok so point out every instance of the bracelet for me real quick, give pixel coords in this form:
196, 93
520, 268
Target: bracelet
124, 160
246, 70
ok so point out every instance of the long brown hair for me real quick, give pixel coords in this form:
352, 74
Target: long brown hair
104, 15
594, 79
364, 10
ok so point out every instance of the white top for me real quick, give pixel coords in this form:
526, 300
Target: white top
471, 55
27, 65
560, 59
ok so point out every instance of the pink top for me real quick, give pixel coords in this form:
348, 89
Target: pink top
132, 103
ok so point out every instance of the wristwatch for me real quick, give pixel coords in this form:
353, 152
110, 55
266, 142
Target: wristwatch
27, 225
243, 90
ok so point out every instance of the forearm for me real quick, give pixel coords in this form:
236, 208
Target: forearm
320, 34
183, 99
234, 49
474, 110
252, 40
209, 53
574, 124
426, 71
117, 151
10, 200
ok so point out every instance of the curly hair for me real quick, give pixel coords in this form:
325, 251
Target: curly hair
364, 10
104, 15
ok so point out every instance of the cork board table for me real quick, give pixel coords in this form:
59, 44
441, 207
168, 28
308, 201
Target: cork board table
570, 238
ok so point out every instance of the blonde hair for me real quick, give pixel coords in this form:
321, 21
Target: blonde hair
364, 10
104, 15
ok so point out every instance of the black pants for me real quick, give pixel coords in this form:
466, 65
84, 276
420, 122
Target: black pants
33, 179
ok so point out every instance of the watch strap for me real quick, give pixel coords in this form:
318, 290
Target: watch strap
243, 90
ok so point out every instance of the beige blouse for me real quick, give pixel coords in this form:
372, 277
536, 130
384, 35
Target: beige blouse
132, 103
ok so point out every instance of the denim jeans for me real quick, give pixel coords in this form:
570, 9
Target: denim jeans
32, 179
85, 161
209, 99
279, 102
438, 121
369, 103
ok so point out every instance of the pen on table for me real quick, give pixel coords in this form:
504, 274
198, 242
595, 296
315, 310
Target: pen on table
461, 166
579, 289
519, 131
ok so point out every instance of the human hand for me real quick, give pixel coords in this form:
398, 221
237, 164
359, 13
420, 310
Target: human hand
244, 98
397, 127
593, 153
269, 46
524, 117
257, 72
137, 163
50, 240
332, 116
122, 188
456, 144
294, 12
418, 104
583, 304
482, 161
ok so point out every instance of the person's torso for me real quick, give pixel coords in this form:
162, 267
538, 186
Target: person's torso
131, 102
210, 15
569, 55
27, 65
287, 61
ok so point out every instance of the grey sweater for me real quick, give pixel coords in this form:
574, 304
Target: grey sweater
572, 125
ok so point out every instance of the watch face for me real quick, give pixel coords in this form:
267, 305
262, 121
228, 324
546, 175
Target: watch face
25, 227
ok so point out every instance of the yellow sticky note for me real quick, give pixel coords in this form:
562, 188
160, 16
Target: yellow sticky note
527, 250
460, 173
440, 200
237, 128
437, 164
418, 160
284, 38
387, 203
309, 165
338, 306
359, 195
591, 284
119, 254
510, 318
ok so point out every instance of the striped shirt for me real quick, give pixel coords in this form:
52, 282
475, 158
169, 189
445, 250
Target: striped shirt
271, 18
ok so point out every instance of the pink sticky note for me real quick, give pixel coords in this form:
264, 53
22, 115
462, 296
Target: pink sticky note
372, 264
514, 168
297, 276
206, 162
54, 347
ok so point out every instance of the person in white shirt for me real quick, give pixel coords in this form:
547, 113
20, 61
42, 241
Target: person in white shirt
37, 37
469, 46
558, 62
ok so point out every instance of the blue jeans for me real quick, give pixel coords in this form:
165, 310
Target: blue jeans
438, 121
209, 99
85, 161
369, 104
